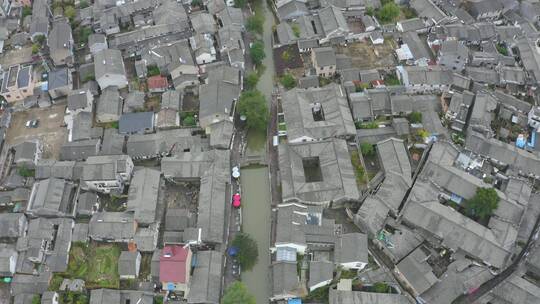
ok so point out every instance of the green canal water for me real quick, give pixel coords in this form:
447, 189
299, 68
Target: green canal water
256, 222
256, 200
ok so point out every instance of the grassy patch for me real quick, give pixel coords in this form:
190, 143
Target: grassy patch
26, 172
146, 264
358, 169
188, 119
56, 281
348, 274
70, 297
78, 265
97, 264
319, 295
153, 70
104, 270
367, 125
391, 80
158, 300
109, 125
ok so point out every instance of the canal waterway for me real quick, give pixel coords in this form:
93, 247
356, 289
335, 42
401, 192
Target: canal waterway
256, 222
256, 200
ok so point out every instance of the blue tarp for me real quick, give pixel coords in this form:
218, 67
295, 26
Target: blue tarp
520, 142
294, 301
232, 251
456, 198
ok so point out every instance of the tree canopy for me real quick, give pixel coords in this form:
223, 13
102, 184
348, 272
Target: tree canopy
257, 52
237, 293
240, 3
367, 149
251, 80
415, 117
255, 24
388, 12
70, 13
483, 203
253, 105
288, 81
248, 253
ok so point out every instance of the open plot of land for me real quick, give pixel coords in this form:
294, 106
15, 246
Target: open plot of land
181, 195
190, 102
368, 56
50, 130
97, 264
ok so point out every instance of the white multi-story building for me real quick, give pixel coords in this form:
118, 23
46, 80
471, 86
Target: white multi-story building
106, 174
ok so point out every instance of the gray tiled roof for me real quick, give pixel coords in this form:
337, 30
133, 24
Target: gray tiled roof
12, 225
143, 195
297, 106
138, 122
351, 247
206, 279
338, 179
284, 278
127, 263
360, 297
112, 226
417, 271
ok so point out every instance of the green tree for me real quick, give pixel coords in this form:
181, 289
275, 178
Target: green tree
381, 287
501, 48
83, 4
189, 121
388, 13
483, 203
70, 13
25, 172
196, 2
415, 117
240, 3
251, 80
35, 48
370, 11
26, 11
255, 24
36, 300
257, 52
253, 105
367, 149
237, 293
248, 253
296, 30
153, 70
40, 39
288, 81
84, 33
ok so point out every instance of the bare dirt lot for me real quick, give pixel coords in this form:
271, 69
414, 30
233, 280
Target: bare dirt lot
182, 195
365, 55
50, 130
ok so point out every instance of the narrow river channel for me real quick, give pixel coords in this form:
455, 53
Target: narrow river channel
256, 200
256, 222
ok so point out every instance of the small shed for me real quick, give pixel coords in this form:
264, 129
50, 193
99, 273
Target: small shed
129, 264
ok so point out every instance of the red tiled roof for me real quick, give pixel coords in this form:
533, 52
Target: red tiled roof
157, 82
172, 264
